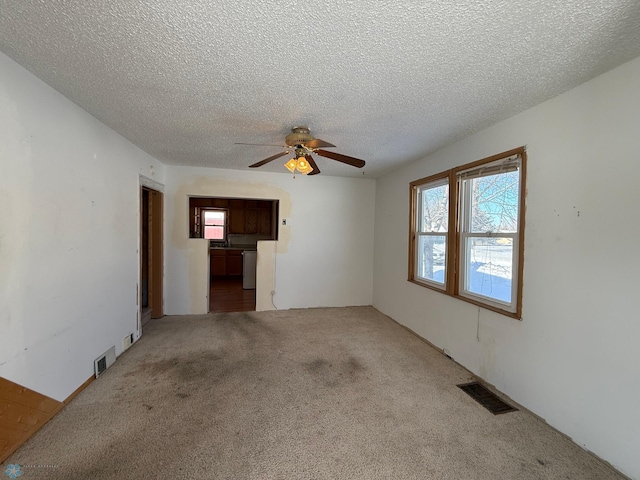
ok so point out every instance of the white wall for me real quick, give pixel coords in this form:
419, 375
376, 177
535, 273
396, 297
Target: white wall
324, 254
69, 235
574, 357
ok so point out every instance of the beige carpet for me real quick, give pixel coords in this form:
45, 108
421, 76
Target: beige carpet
298, 394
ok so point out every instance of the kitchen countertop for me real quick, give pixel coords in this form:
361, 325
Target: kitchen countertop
234, 247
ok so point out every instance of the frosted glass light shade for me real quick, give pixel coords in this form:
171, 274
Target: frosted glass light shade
299, 164
303, 166
291, 165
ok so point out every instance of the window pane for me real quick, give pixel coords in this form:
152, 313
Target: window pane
435, 209
213, 233
431, 257
489, 267
213, 217
494, 203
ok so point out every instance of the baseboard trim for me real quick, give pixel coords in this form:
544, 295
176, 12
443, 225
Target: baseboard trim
75, 393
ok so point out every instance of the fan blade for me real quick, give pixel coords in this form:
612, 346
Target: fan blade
260, 144
267, 160
354, 162
312, 164
317, 143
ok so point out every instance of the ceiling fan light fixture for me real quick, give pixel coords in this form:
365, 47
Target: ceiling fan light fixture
291, 165
303, 166
300, 164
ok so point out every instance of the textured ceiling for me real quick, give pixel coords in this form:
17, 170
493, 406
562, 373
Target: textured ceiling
385, 81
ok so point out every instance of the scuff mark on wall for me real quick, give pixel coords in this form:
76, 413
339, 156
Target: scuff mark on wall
18, 227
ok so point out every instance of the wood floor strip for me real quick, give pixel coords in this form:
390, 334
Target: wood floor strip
227, 295
23, 412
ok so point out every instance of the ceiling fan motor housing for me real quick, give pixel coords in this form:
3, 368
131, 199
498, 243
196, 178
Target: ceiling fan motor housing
299, 136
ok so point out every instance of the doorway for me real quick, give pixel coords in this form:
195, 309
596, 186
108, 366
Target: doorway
151, 257
233, 227
226, 294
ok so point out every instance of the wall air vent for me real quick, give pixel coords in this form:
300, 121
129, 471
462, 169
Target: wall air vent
102, 365
104, 361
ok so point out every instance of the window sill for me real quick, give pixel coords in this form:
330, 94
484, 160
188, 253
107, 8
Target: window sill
515, 315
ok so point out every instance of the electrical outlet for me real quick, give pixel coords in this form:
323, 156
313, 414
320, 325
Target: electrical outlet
128, 341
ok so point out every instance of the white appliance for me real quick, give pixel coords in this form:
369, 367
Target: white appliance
249, 269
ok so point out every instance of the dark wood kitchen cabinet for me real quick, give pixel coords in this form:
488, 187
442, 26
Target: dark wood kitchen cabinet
236, 216
234, 262
264, 222
250, 217
236, 221
218, 262
225, 262
257, 217
250, 221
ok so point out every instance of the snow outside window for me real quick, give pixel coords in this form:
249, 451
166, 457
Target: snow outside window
431, 235
489, 212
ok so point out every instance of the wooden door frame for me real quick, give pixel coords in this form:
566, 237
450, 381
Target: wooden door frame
156, 247
156, 221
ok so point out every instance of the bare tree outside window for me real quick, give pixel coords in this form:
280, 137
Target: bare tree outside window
434, 225
495, 203
490, 228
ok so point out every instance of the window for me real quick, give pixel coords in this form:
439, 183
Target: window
431, 234
467, 230
208, 222
214, 224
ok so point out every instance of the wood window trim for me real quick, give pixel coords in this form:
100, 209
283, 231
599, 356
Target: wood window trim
453, 243
413, 190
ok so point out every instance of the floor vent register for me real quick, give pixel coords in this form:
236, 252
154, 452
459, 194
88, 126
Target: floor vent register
487, 398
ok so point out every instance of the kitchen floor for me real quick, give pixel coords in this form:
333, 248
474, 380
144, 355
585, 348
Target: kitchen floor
227, 295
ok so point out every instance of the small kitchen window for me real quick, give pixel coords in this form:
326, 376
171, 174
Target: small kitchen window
210, 223
214, 224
